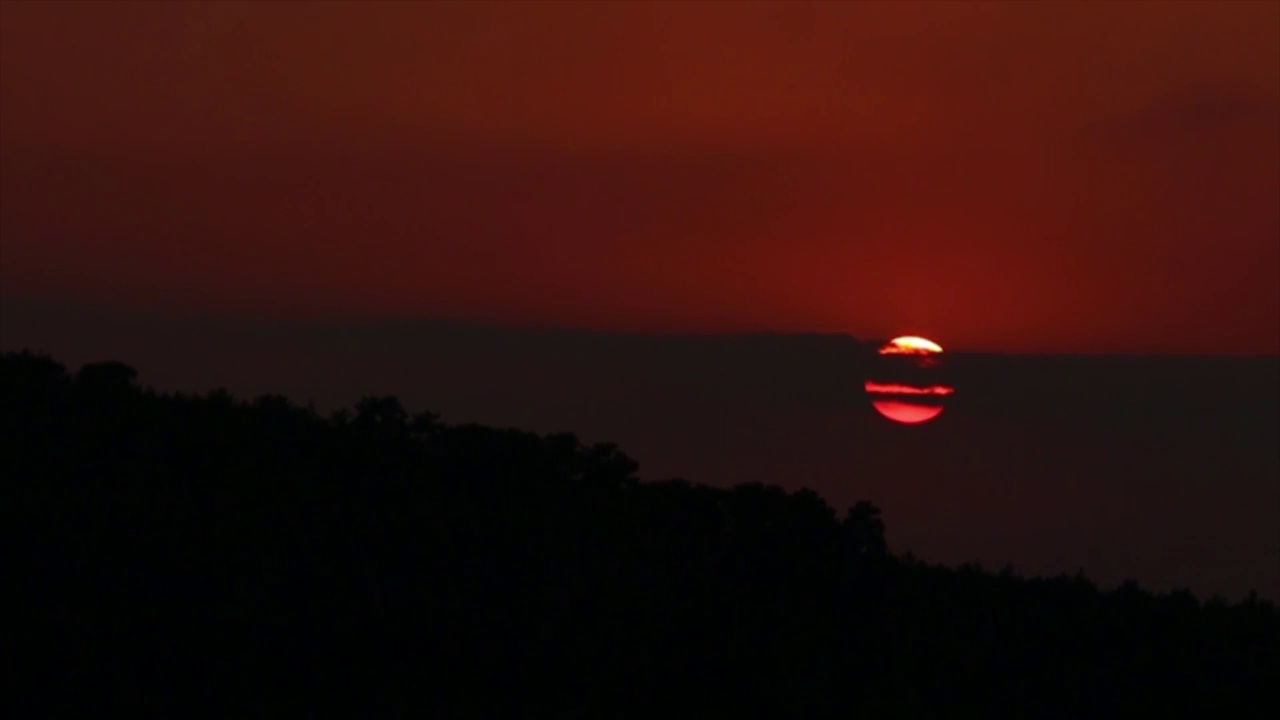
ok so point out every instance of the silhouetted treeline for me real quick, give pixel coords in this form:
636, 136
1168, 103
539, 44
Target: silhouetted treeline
196, 555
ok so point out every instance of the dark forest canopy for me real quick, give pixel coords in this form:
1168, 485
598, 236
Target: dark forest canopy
179, 553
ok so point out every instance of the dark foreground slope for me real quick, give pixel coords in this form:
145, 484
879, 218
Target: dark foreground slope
181, 555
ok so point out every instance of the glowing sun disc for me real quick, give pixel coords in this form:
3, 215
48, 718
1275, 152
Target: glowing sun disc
904, 385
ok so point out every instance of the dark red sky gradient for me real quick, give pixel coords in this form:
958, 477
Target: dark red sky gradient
1079, 177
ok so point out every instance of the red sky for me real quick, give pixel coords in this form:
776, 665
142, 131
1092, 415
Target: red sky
1079, 177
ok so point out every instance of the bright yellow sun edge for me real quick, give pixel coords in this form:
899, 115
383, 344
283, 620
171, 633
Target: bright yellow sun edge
914, 342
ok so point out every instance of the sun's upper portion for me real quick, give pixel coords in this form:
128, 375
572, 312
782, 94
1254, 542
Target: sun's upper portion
910, 345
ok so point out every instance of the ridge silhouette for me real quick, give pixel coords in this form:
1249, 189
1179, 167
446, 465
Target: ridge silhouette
195, 554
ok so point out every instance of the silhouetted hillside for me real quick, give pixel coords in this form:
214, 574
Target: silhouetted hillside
180, 555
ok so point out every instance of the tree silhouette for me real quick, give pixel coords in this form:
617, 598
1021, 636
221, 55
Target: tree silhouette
176, 554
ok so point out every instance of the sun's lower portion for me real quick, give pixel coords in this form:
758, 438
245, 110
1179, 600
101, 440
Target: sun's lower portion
905, 412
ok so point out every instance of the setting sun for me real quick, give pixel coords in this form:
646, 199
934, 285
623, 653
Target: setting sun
904, 384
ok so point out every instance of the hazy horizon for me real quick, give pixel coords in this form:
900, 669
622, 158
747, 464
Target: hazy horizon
27, 313
1177, 486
